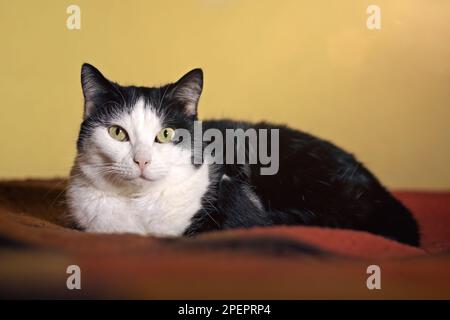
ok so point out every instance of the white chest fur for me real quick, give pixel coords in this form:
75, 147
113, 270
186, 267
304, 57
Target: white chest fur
163, 210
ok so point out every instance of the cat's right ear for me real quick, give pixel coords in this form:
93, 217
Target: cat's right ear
96, 88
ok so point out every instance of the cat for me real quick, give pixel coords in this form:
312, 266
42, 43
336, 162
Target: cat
131, 175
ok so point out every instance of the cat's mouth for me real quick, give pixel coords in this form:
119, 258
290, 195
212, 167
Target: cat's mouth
138, 178
143, 177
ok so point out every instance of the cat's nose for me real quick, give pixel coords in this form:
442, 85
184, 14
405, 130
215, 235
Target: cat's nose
141, 162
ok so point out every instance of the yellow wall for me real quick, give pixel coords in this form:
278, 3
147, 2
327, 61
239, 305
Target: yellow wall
385, 95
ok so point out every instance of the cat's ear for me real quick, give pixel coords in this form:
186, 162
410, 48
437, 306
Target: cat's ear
96, 88
188, 89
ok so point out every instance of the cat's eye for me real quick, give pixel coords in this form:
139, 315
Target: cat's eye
118, 133
165, 135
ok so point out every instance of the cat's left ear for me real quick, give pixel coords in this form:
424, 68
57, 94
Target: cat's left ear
188, 89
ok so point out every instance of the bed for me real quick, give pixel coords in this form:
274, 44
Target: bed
37, 245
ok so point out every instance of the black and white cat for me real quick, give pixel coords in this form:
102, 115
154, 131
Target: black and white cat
131, 176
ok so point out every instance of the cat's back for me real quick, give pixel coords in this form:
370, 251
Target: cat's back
292, 144
318, 183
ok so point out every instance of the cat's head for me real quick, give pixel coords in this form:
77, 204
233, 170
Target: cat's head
126, 138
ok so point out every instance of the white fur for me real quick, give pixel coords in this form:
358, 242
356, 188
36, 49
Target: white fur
108, 193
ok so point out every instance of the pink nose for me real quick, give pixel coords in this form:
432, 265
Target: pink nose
142, 163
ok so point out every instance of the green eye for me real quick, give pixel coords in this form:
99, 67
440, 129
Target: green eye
118, 133
165, 135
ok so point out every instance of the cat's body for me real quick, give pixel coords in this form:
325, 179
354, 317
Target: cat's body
138, 185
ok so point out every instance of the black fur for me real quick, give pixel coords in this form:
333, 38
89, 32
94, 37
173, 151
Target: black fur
318, 184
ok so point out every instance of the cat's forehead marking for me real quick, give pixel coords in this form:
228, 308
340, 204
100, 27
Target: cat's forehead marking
142, 121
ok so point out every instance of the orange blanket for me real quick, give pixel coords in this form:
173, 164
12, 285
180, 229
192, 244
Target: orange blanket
294, 262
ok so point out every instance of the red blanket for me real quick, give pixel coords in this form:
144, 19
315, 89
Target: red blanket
286, 262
